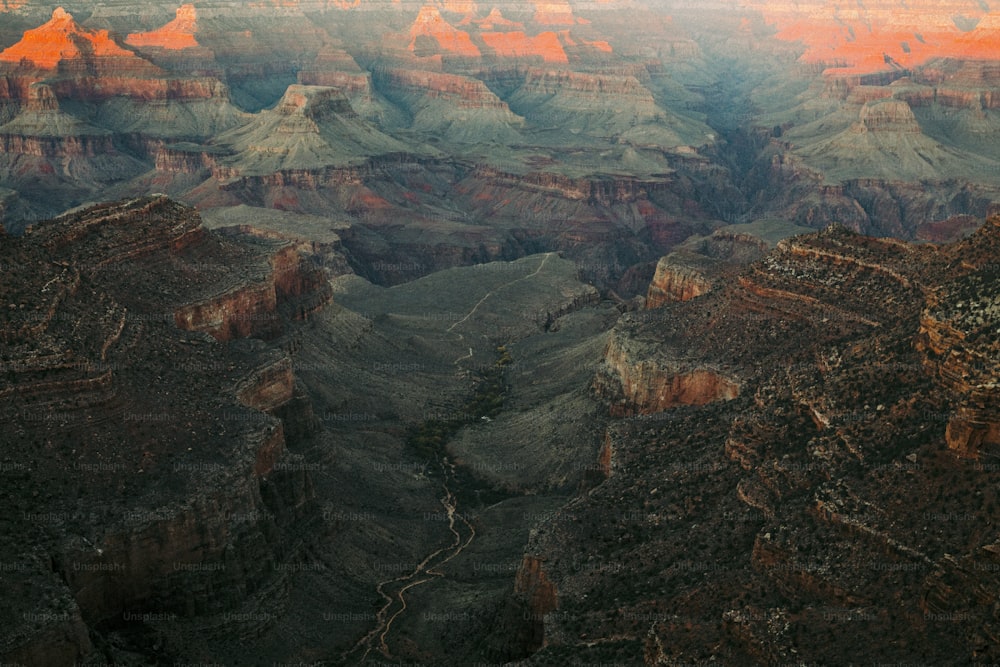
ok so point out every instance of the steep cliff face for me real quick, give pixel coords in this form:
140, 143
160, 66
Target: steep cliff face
539, 597
290, 284
183, 477
328, 70
552, 81
92, 65
636, 385
701, 263
957, 333
675, 281
839, 342
87, 65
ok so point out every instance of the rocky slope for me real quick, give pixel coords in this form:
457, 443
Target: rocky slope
143, 459
838, 475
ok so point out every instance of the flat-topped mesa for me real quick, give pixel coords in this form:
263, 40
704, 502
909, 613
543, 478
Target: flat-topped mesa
176, 35
314, 102
63, 40
888, 116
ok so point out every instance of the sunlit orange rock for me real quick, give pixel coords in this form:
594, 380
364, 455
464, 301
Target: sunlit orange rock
885, 34
178, 34
983, 42
518, 45
450, 39
62, 39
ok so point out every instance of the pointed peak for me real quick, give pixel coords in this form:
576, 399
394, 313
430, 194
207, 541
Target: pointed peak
59, 39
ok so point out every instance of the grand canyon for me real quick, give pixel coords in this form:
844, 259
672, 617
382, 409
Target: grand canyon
597, 332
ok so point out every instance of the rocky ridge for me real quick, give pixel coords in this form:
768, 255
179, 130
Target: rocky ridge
155, 454
838, 474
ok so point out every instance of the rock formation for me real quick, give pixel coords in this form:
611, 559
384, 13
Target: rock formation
839, 474
882, 35
166, 437
431, 26
312, 128
178, 34
516, 44
61, 39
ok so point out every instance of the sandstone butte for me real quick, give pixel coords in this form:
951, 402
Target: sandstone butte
430, 23
61, 38
176, 35
885, 34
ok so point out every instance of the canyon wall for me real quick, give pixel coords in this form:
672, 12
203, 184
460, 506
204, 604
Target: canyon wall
191, 517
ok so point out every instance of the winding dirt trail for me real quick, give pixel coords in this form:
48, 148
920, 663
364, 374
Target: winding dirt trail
393, 591
497, 289
486, 296
424, 572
